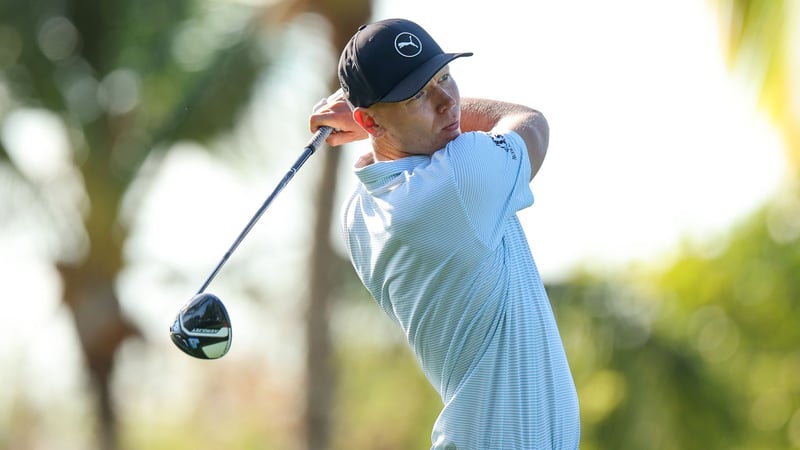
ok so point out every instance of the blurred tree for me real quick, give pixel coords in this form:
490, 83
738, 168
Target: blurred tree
700, 354
108, 70
345, 16
639, 385
125, 78
757, 35
737, 309
703, 352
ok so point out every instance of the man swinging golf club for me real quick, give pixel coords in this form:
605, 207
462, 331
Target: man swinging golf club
433, 233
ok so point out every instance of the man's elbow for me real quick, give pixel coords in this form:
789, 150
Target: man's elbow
537, 140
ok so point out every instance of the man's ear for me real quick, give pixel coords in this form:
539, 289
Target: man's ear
363, 117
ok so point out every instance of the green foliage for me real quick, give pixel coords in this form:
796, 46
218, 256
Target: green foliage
756, 33
757, 38
384, 401
123, 77
131, 74
702, 354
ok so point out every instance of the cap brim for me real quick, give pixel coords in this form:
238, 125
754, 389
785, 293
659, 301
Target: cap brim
417, 79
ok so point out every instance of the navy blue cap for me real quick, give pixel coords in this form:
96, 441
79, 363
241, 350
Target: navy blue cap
389, 61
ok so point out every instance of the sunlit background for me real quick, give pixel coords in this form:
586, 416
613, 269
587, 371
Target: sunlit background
138, 137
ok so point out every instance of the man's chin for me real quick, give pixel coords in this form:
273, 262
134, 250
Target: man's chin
452, 135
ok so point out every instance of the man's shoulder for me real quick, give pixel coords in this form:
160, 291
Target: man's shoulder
480, 149
504, 140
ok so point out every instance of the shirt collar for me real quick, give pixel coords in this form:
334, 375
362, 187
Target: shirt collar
380, 174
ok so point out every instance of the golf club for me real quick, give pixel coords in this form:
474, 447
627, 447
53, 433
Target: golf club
202, 328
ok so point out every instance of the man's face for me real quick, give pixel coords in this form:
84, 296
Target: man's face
424, 123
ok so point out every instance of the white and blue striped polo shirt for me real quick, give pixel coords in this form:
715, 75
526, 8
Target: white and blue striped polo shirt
437, 242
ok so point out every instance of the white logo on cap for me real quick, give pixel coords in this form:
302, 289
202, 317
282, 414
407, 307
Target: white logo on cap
407, 44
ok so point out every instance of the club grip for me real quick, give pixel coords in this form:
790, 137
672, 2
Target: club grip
318, 138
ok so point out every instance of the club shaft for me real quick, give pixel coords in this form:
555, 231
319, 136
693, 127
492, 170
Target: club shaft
316, 140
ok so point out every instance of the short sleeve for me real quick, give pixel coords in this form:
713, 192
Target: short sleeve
492, 174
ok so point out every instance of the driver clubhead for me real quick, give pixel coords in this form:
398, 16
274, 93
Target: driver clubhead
202, 328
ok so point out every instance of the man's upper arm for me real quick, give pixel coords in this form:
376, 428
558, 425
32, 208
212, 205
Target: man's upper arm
535, 132
491, 172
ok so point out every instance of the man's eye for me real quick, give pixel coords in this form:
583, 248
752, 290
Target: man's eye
418, 95
445, 77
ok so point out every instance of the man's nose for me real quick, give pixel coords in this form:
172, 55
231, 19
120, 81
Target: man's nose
445, 100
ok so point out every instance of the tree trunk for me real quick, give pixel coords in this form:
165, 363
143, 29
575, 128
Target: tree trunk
89, 285
345, 17
320, 372
101, 330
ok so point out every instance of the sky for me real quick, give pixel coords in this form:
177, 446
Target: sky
653, 141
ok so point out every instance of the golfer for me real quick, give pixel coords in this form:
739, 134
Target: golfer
432, 231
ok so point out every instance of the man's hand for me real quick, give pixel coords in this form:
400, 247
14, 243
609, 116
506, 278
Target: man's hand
335, 113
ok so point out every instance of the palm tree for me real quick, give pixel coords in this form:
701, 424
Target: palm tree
325, 264
106, 70
757, 38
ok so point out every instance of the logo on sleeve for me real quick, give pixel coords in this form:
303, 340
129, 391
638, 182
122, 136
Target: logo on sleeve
500, 141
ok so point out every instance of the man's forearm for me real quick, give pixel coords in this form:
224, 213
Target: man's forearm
479, 114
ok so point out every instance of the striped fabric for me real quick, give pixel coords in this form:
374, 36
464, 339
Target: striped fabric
437, 243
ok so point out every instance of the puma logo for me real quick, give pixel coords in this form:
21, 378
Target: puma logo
407, 44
